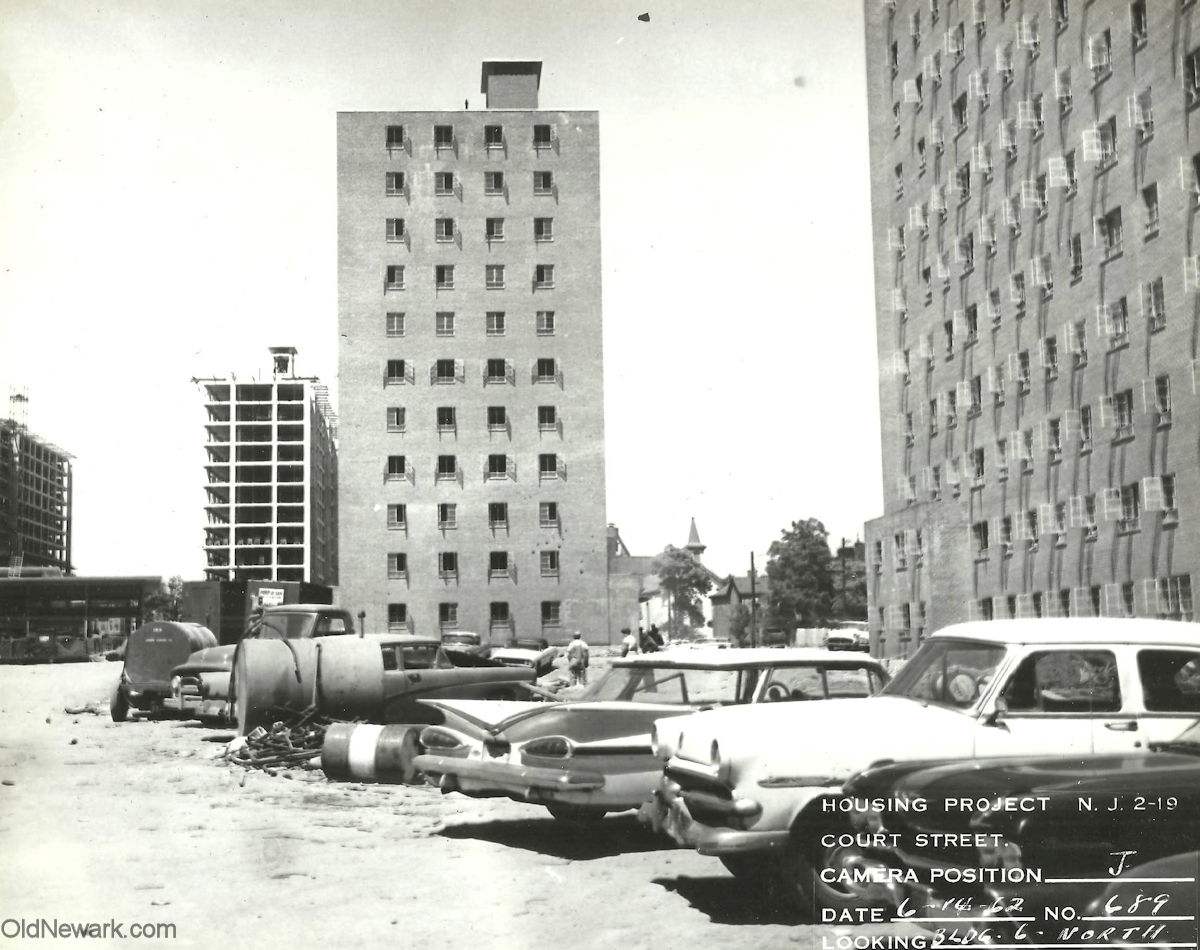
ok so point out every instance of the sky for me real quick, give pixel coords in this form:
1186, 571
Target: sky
167, 211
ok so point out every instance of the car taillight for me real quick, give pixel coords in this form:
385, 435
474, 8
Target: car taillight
437, 739
551, 747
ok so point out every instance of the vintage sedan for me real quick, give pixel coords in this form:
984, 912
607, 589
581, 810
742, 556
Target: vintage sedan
1004, 844
759, 787
593, 756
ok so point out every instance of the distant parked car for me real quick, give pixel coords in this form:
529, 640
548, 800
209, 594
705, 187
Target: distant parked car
151, 654
593, 756
537, 655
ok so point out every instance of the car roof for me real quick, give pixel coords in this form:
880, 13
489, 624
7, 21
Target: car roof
404, 639
1106, 630
737, 658
306, 608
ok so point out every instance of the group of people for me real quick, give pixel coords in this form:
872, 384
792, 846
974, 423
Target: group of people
644, 641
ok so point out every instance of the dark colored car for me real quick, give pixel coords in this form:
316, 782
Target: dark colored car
1004, 843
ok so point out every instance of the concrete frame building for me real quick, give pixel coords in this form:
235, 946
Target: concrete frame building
470, 367
272, 473
1034, 198
35, 498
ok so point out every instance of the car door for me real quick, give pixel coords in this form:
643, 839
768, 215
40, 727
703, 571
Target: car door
1054, 702
1167, 681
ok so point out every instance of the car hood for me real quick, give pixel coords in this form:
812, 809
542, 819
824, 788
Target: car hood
582, 722
209, 660
831, 739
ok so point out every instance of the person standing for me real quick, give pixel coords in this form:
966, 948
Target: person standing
577, 660
629, 642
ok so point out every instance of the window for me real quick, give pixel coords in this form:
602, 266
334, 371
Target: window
1108, 232
445, 371
394, 137
495, 371
497, 564
958, 114
1170, 677
978, 466
393, 278
548, 514
1170, 506
495, 323
397, 615
893, 59
443, 276
444, 323
397, 517
1050, 356
397, 564
1061, 17
494, 230
545, 323
1005, 540
447, 562
1016, 289
397, 467
395, 229
394, 183
543, 137
1072, 169
1064, 681
447, 468
979, 535
447, 419
394, 324
493, 183
497, 466
1076, 253
1154, 304
1137, 23
494, 276
1054, 439
549, 563
551, 614
1150, 208
497, 419
900, 551
443, 183
547, 417
497, 514
543, 276
921, 163
1100, 143
1085, 428
548, 466
1023, 375
545, 370
1122, 407
1100, 54
443, 137
1131, 509
395, 374
395, 419
1141, 116
1161, 400
543, 183
543, 229
1115, 318
447, 615
493, 136
443, 229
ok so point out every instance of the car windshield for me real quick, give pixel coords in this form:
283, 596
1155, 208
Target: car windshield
947, 673
283, 626
672, 686
423, 656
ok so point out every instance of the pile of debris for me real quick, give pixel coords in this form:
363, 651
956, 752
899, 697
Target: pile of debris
294, 740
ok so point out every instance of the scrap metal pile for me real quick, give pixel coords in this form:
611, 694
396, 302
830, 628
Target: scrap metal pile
294, 740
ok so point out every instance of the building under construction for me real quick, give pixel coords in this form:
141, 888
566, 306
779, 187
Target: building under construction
35, 496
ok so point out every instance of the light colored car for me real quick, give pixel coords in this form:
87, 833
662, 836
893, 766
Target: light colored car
761, 786
586, 758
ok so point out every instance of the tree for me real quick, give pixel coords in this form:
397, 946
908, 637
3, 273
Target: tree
801, 572
850, 579
685, 580
739, 625
167, 602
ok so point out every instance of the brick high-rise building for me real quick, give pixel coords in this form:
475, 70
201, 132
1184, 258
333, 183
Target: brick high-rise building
35, 497
470, 370
1034, 198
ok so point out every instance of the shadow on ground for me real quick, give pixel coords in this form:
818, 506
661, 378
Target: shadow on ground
574, 841
727, 900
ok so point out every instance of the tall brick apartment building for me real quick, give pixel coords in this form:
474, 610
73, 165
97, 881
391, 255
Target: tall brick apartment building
470, 372
1034, 202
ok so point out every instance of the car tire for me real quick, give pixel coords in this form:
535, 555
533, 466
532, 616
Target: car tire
799, 874
575, 813
118, 705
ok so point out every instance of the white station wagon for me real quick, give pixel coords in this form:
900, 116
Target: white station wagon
759, 786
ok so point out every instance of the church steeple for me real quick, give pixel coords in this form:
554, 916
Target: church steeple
693, 542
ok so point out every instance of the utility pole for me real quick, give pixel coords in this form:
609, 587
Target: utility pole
753, 605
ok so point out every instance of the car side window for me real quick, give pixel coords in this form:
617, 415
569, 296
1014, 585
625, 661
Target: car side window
1170, 680
789, 684
853, 683
330, 627
1064, 681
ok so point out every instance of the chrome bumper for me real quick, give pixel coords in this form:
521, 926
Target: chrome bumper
520, 781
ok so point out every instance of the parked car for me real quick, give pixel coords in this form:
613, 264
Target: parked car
537, 655
847, 638
931, 842
150, 656
593, 756
758, 786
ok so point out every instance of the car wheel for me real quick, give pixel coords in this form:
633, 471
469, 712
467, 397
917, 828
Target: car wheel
118, 705
575, 813
799, 873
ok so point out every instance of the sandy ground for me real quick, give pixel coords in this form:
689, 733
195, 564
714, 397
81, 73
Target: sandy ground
142, 823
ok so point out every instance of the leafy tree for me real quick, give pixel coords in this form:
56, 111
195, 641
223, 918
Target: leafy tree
167, 602
801, 572
850, 580
685, 580
739, 625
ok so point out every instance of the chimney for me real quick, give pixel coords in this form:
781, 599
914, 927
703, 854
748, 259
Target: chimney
511, 84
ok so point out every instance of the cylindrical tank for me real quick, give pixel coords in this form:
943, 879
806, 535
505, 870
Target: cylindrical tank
367, 752
341, 676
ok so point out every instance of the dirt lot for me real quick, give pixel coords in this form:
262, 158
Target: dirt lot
141, 823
